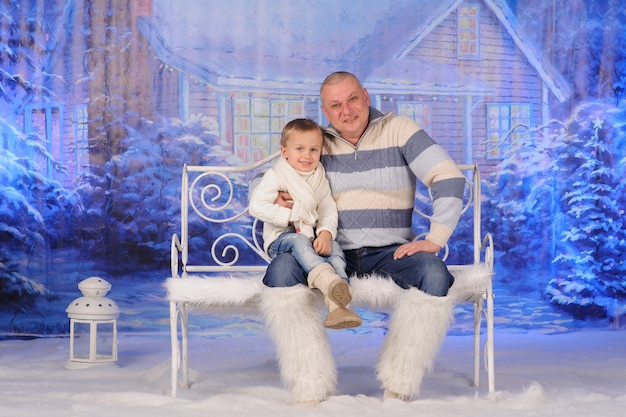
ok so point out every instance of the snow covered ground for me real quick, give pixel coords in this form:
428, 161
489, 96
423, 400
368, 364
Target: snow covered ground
547, 364
575, 373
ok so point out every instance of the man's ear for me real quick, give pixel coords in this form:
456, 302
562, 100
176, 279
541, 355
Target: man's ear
367, 97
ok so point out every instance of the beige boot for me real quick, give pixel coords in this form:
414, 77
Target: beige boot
337, 297
340, 317
330, 284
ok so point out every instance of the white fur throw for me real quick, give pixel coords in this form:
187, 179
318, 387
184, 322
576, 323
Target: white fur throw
228, 290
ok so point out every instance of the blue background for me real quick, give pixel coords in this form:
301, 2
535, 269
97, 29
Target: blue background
101, 103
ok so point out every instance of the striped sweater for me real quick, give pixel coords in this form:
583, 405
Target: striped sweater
374, 183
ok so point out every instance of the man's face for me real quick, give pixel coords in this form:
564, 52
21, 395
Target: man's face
346, 106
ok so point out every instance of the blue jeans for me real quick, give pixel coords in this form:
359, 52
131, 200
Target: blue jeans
424, 271
301, 248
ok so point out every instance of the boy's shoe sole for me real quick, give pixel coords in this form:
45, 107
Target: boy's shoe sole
339, 292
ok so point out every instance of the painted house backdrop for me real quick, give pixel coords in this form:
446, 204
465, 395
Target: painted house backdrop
102, 102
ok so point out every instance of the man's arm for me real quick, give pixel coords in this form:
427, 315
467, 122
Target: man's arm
432, 165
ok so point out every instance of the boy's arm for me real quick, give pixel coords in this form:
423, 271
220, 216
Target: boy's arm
262, 205
283, 198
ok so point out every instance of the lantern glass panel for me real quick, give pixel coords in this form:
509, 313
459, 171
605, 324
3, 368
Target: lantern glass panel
81, 340
104, 341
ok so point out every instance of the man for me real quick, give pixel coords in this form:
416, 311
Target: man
373, 163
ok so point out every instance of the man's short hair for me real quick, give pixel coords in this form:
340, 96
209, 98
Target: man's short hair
337, 77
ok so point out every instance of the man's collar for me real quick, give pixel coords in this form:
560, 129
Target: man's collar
374, 114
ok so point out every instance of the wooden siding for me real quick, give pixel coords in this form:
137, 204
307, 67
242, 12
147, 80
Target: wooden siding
447, 122
71, 90
166, 90
501, 64
202, 100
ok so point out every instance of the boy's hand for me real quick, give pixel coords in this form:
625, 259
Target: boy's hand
321, 244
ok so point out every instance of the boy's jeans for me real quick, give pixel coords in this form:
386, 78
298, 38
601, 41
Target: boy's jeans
301, 249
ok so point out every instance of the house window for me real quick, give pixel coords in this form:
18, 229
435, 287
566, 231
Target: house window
81, 139
468, 32
420, 112
258, 123
506, 123
44, 122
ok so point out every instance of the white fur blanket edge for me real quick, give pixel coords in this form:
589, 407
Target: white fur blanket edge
232, 291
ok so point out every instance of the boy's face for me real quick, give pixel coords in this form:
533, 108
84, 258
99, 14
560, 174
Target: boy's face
302, 150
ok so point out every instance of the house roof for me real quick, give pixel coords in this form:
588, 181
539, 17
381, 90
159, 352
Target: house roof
290, 46
549, 75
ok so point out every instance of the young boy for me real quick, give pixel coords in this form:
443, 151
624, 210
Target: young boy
308, 228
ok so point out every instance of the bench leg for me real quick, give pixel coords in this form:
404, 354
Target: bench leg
175, 347
478, 312
184, 351
491, 370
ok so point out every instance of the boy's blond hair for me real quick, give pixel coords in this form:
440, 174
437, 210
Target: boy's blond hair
299, 125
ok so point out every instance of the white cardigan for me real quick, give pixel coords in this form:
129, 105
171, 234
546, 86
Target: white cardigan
276, 218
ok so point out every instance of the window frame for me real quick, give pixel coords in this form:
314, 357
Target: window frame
51, 133
503, 131
468, 31
258, 123
422, 118
81, 138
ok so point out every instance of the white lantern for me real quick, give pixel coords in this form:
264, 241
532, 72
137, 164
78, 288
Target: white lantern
93, 326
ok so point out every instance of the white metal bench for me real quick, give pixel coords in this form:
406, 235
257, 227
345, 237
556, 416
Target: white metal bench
221, 275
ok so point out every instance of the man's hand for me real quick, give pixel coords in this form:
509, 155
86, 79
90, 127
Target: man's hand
321, 244
284, 199
412, 248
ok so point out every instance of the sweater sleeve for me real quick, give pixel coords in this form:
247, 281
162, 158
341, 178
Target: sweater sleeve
326, 212
432, 165
447, 189
262, 199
